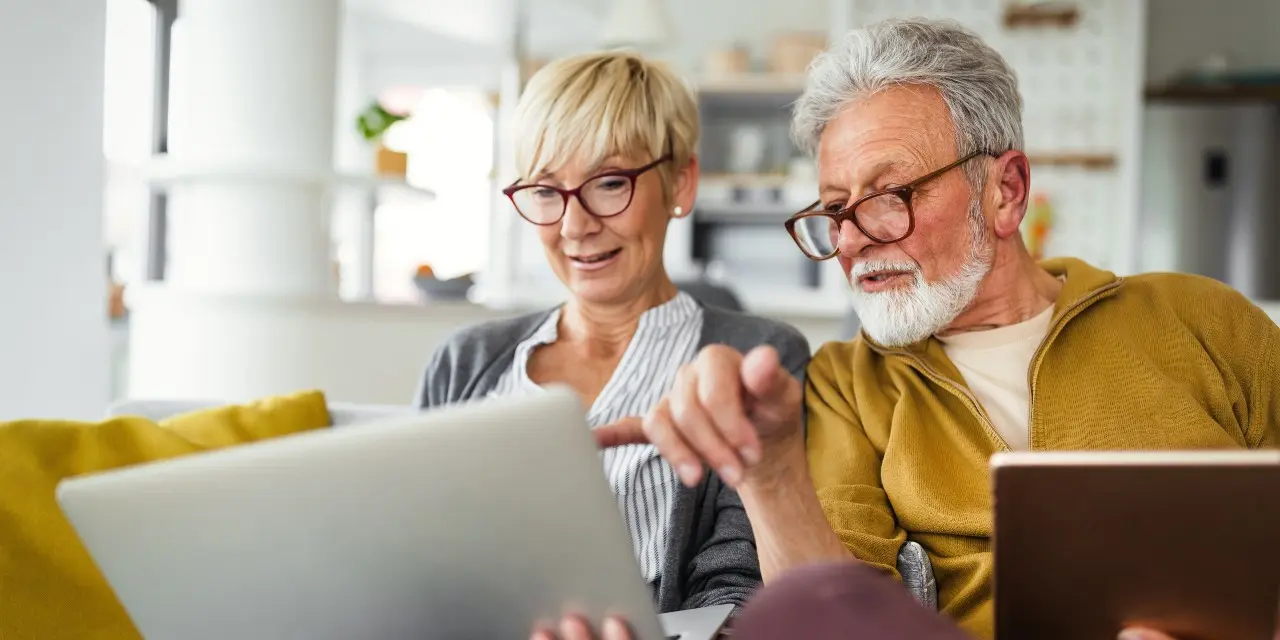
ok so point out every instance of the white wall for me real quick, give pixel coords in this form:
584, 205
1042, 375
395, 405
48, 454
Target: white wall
404, 52
53, 327
700, 27
1183, 33
390, 53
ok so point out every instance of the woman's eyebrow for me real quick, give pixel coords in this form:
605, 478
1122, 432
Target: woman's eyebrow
608, 164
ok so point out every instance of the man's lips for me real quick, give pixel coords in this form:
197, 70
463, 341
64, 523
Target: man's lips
877, 281
881, 276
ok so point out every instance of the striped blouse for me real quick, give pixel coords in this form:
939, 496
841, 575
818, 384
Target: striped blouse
645, 485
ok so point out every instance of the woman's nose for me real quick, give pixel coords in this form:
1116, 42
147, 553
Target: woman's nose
577, 221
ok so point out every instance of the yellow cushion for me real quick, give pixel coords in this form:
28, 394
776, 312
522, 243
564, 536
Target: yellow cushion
49, 585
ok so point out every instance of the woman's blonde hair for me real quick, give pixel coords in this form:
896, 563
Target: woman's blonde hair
604, 104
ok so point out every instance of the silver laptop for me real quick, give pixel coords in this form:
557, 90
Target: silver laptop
468, 522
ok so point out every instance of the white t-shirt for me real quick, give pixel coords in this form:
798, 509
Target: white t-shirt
994, 364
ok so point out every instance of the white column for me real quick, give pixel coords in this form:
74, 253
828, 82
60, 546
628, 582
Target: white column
353, 209
500, 280
250, 284
249, 206
53, 302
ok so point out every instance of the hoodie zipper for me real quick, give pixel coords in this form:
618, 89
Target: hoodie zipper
971, 400
958, 391
1034, 370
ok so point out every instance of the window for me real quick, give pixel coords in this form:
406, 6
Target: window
449, 141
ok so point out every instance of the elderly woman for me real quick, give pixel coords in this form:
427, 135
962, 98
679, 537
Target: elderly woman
605, 149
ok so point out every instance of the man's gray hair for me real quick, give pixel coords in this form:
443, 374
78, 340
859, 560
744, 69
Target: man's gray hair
978, 86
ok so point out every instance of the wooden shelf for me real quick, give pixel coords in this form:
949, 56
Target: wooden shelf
1041, 14
744, 180
752, 83
1214, 93
1095, 161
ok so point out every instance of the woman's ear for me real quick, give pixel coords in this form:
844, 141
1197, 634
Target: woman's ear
685, 190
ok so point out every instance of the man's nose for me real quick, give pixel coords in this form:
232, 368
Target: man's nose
577, 222
851, 240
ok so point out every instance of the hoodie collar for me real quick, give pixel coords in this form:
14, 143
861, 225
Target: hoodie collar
1081, 280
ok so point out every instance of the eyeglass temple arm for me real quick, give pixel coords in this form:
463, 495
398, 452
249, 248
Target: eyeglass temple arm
934, 174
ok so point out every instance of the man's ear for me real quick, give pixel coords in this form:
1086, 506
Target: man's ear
685, 190
1011, 175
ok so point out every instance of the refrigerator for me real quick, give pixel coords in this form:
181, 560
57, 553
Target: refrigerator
1211, 193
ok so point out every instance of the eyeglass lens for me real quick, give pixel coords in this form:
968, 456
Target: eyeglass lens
603, 196
884, 218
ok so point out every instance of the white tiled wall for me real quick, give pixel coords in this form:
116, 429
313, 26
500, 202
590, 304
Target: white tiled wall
1082, 90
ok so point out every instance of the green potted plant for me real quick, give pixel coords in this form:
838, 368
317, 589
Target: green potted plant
372, 123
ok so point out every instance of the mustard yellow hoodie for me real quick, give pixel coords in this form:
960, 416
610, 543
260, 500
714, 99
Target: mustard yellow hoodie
898, 446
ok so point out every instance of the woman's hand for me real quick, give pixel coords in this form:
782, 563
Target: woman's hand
575, 628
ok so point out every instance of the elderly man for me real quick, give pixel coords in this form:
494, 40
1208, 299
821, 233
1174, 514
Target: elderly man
969, 346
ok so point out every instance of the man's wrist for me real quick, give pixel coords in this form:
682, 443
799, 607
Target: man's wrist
786, 515
783, 469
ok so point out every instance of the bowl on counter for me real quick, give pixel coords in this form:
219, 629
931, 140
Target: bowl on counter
433, 288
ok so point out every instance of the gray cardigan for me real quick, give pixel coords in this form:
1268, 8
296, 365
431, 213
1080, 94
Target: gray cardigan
711, 555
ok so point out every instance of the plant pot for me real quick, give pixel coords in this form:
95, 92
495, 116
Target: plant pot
388, 163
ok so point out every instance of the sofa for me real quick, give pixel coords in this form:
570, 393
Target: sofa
342, 414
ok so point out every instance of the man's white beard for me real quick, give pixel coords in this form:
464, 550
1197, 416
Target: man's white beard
900, 317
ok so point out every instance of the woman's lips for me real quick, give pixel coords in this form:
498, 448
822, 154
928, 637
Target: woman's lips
594, 261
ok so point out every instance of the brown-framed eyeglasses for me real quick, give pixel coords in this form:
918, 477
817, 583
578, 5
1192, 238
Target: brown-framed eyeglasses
885, 216
605, 195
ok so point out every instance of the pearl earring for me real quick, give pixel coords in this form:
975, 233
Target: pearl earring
678, 212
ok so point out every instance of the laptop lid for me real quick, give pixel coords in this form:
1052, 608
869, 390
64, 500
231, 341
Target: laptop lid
464, 522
